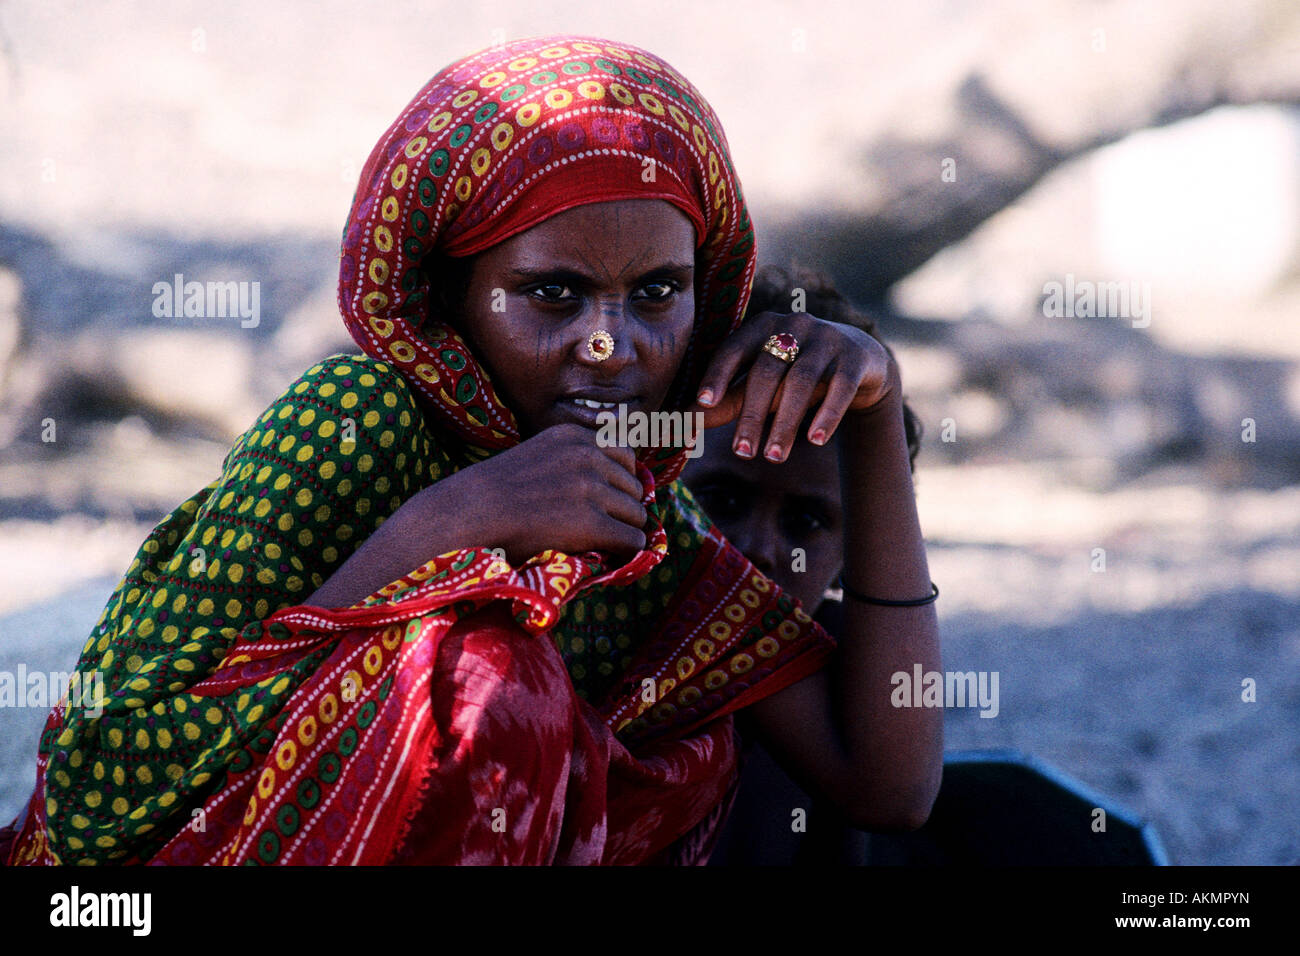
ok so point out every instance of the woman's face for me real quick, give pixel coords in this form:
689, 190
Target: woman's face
532, 302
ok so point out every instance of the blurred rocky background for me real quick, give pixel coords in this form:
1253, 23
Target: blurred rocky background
946, 162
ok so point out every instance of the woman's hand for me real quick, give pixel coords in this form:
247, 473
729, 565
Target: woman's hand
842, 367
558, 489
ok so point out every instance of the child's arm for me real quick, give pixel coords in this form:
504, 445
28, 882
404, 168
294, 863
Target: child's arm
838, 730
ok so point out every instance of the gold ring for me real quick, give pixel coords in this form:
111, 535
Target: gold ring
600, 345
783, 345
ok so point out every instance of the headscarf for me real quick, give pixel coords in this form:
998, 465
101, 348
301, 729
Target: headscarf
500, 141
305, 734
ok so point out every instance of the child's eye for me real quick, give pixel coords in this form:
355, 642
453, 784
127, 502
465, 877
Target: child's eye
811, 521
720, 504
805, 523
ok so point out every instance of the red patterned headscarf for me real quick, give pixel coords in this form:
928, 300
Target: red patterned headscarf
501, 140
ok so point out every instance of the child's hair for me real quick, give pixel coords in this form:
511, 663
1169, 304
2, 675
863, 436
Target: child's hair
773, 291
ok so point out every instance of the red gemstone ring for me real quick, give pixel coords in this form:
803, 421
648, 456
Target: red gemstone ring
783, 345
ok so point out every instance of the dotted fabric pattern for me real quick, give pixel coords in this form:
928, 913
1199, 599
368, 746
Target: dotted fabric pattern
318, 472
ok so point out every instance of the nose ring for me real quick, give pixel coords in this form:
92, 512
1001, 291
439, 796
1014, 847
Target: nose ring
600, 345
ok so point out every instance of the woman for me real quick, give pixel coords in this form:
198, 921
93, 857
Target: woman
523, 646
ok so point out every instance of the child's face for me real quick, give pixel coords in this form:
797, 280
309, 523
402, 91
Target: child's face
769, 510
533, 301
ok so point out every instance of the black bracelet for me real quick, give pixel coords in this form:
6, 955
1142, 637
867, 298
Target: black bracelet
934, 593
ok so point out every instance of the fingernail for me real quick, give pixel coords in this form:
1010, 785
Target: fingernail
774, 452
744, 449
818, 437
706, 397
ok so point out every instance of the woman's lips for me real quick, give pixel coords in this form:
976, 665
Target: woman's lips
593, 404
587, 411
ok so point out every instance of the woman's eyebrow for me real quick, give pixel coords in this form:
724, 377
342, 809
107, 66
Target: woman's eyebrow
570, 274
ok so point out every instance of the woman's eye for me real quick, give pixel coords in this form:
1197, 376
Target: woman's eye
557, 292
551, 292
661, 290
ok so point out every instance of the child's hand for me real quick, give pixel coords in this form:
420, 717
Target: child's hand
842, 367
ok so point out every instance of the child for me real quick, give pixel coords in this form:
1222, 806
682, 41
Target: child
788, 520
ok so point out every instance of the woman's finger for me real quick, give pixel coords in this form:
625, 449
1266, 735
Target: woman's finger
623, 457
765, 377
797, 394
619, 536
625, 508
736, 351
725, 411
620, 478
843, 388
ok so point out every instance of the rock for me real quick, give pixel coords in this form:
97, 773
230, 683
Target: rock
200, 376
11, 326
